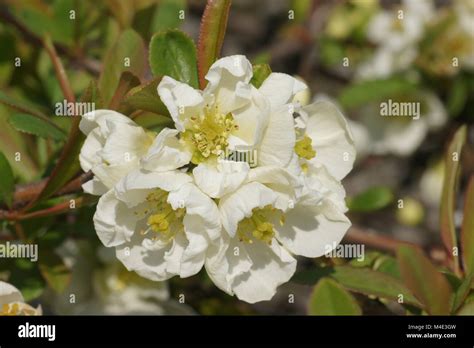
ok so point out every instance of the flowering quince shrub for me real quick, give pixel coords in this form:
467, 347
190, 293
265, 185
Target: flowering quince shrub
172, 175
179, 203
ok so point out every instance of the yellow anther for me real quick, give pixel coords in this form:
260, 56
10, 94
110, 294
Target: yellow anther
304, 148
207, 134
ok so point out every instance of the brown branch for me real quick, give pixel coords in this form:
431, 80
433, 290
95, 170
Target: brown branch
375, 240
25, 193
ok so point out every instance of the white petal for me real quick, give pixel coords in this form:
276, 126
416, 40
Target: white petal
90, 150
229, 79
94, 187
9, 294
217, 265
278, 141
202, 216
280, 89
331, 138
271, 267
166, 152
113, 221
238, 205
149, 263
182, 100
251, 119
125, 143
311, 230
100, 118
220, 180
134, 187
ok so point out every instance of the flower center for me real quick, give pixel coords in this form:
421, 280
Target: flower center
15, 309
304, 148
208, 133
258, 226
162, 219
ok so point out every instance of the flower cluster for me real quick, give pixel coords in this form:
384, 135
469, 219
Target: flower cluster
248, 179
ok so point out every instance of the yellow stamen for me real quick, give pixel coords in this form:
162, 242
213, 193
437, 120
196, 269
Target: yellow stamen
304, 148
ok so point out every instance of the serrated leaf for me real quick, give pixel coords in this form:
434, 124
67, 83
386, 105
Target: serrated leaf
260, 73
127, 54
21, 105
467, 230
56, 274
172, 53
361, 280
372, 90
329, 298
36, 126
423, 279
211, 35
7, 181
145, 97
375, 198
448, 198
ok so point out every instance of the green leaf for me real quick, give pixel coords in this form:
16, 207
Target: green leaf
388, 265
329, 298
146, 98
468, 307
7, 181
260, 73
68, 162
361, 280
154, 122
423, 279
36, 126
448, 198
375, 198
173, 53
21, 105
54, 271
167, 15
126, 83
457, 96
127, 54
467, 230
211, 35
462, 292
359, 94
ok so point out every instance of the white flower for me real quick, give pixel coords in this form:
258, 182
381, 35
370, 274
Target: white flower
12, 302
160, 223
108, 288
113, 147
229, 113
396, 32
189, 201
401, 135
270, 216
